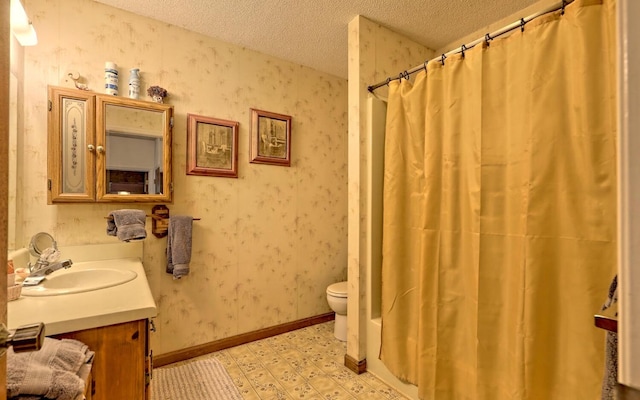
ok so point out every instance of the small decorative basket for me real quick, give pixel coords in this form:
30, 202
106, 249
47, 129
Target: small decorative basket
13, 292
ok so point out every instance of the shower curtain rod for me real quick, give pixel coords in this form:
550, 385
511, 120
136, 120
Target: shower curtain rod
489, 36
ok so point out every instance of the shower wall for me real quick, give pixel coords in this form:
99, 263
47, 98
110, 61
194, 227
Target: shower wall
376, 116
375, 53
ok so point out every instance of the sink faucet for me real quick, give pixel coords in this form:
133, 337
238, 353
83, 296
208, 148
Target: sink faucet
46, 269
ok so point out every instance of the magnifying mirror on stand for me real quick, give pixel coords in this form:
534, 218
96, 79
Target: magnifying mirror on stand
44, 248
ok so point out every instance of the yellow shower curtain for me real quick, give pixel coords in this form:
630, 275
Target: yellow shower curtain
500, 214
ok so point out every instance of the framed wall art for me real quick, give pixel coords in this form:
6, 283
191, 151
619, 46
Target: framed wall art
212, 146
270, 138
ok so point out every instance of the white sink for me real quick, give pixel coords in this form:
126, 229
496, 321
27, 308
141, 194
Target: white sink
83, 280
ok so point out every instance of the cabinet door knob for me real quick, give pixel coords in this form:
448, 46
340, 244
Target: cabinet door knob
91, 147
100, 149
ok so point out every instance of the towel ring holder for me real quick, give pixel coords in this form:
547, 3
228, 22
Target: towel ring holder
160, 220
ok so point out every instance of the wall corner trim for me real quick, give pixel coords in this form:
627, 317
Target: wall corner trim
358, 367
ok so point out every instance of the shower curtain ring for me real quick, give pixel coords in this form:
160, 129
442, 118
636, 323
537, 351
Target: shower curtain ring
442, 59
463, 48
388, 81
564, 4
522, 24
487, 39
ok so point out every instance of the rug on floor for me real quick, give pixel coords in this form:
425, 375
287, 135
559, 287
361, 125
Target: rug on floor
198, 380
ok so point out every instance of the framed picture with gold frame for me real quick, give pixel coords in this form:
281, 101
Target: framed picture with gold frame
270, 138
212, 146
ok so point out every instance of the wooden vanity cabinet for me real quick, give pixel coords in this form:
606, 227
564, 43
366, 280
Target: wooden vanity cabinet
88, 393
122, 363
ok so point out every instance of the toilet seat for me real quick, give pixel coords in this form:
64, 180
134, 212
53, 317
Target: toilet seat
338, 289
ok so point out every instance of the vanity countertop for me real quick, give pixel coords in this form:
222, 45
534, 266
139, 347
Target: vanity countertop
129, 301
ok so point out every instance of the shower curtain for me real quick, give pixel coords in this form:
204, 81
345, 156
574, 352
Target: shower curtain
500, 214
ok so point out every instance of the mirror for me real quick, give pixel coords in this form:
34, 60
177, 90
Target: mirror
133, 140
134, 150
44, 248
40, 242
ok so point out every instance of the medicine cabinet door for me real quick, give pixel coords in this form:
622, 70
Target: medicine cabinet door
134, 161
71, 146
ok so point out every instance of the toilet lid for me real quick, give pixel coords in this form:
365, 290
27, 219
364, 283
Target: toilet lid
338, 289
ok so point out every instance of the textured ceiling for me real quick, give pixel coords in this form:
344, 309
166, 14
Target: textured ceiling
314, 32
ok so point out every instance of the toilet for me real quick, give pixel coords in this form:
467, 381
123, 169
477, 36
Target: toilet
337, 299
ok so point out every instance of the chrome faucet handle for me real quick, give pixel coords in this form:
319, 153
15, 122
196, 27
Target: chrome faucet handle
37, 266
49, 268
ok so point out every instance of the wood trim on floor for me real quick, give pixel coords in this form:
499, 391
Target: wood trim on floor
358, 367
626, 393
217, 345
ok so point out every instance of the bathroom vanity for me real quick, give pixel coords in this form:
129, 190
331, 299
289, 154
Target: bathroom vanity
122, 364
113, 321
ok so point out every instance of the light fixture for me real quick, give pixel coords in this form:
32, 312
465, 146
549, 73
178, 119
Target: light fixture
21, 26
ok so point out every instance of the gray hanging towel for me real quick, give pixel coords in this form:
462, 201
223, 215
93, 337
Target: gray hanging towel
179, 245
127, 224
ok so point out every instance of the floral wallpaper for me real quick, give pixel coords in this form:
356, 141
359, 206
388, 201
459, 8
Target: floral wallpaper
268, 243
375, 53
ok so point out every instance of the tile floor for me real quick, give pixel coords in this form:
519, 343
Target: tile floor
303, 364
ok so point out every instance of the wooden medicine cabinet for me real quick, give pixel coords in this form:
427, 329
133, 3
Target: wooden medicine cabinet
104, 148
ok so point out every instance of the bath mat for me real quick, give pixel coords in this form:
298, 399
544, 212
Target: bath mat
198, 380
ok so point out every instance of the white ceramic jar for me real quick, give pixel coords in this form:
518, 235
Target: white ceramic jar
134, 83
111, 78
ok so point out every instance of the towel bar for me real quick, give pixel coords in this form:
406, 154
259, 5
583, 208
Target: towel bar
608, 319
160, 220
152, 216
